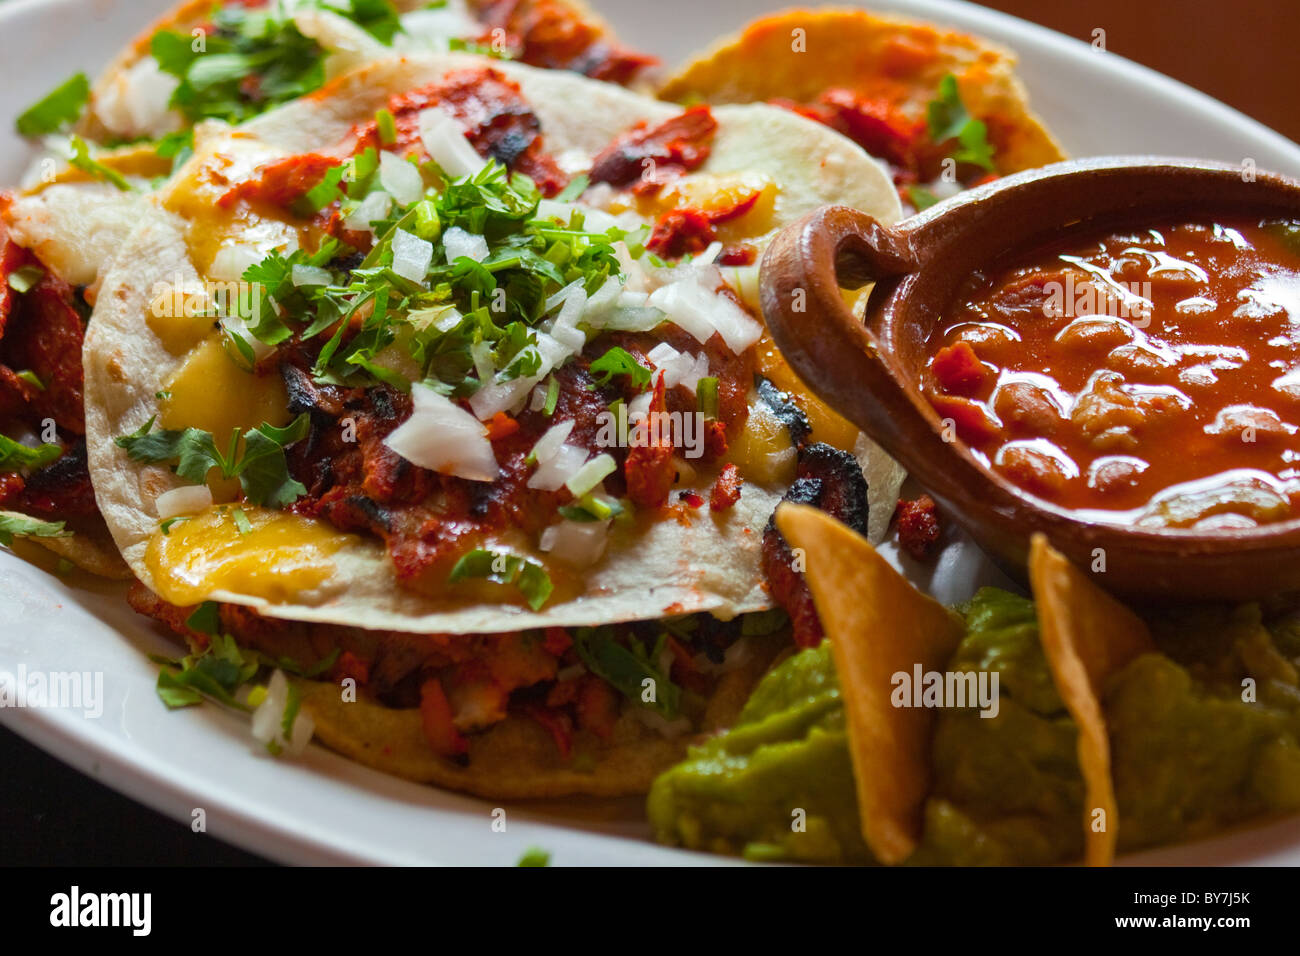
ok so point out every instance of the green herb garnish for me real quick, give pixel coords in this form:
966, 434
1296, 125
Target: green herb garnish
527, 576
258, 461
948, 119
57, 109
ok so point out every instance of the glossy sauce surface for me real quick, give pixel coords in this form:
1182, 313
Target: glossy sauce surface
1147, 375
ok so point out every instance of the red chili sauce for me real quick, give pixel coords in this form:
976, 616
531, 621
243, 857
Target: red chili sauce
1147, 376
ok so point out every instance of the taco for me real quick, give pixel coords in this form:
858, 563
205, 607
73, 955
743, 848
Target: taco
45, 491
943, 110
1059, 727
489, 388
234, 59
82, 194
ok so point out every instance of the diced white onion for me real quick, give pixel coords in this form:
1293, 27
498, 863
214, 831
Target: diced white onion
550, 442
666, 728
135, 103
268, 719
411, 255
556, 299
578, 543
709, 255
737, 655
371, 209
679, 368
634, 275
443, 437
310, 275
231, 261
701, 312
237, 327
481, 353
185, 500
602, 300
400, 179
551, 474
445, 142
571, 338
432, 27
639, 407
459, 243
552, 209
590, 475
744, 279
499, 396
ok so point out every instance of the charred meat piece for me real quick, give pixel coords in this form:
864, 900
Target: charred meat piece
829, 479
646, 153
918, 526
554, 35
493, 113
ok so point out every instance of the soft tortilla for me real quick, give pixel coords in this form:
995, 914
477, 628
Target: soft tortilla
658, 568
348, 47
877, 55
878, 625
1087, 636
516, 758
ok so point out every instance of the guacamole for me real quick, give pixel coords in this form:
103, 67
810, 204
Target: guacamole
1190, 754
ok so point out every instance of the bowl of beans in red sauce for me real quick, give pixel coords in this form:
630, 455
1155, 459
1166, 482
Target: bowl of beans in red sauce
1104, 351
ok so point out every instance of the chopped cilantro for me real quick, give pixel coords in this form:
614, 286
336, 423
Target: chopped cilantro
241, 520
216, 673
82, 160
921, 198
706, 397
12, 523
628, 668
206, 618
57, 109
31, 378
552, 396
535, 856
763, 622
249, 61
24, 278
178, 147
527, 575
386, 127
619, 361
948, 119
260, 463
15, 455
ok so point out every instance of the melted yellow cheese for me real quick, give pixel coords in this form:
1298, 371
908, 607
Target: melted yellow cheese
137, 159
210, 391
763, 452
827, 424
282, 557
220, 162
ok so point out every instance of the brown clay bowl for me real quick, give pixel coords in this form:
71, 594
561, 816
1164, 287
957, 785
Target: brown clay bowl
869, 371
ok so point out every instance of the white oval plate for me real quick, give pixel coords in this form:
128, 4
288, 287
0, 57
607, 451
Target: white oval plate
324, 809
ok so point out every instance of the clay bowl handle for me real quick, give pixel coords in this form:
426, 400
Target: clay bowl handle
849, 364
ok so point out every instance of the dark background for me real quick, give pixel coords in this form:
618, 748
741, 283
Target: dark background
1243, 53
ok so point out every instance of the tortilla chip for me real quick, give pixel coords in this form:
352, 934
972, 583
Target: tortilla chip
799, 54
878, 625
1087, 636
517, 759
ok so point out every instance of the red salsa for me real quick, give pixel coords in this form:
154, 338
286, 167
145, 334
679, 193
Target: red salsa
1147, 376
